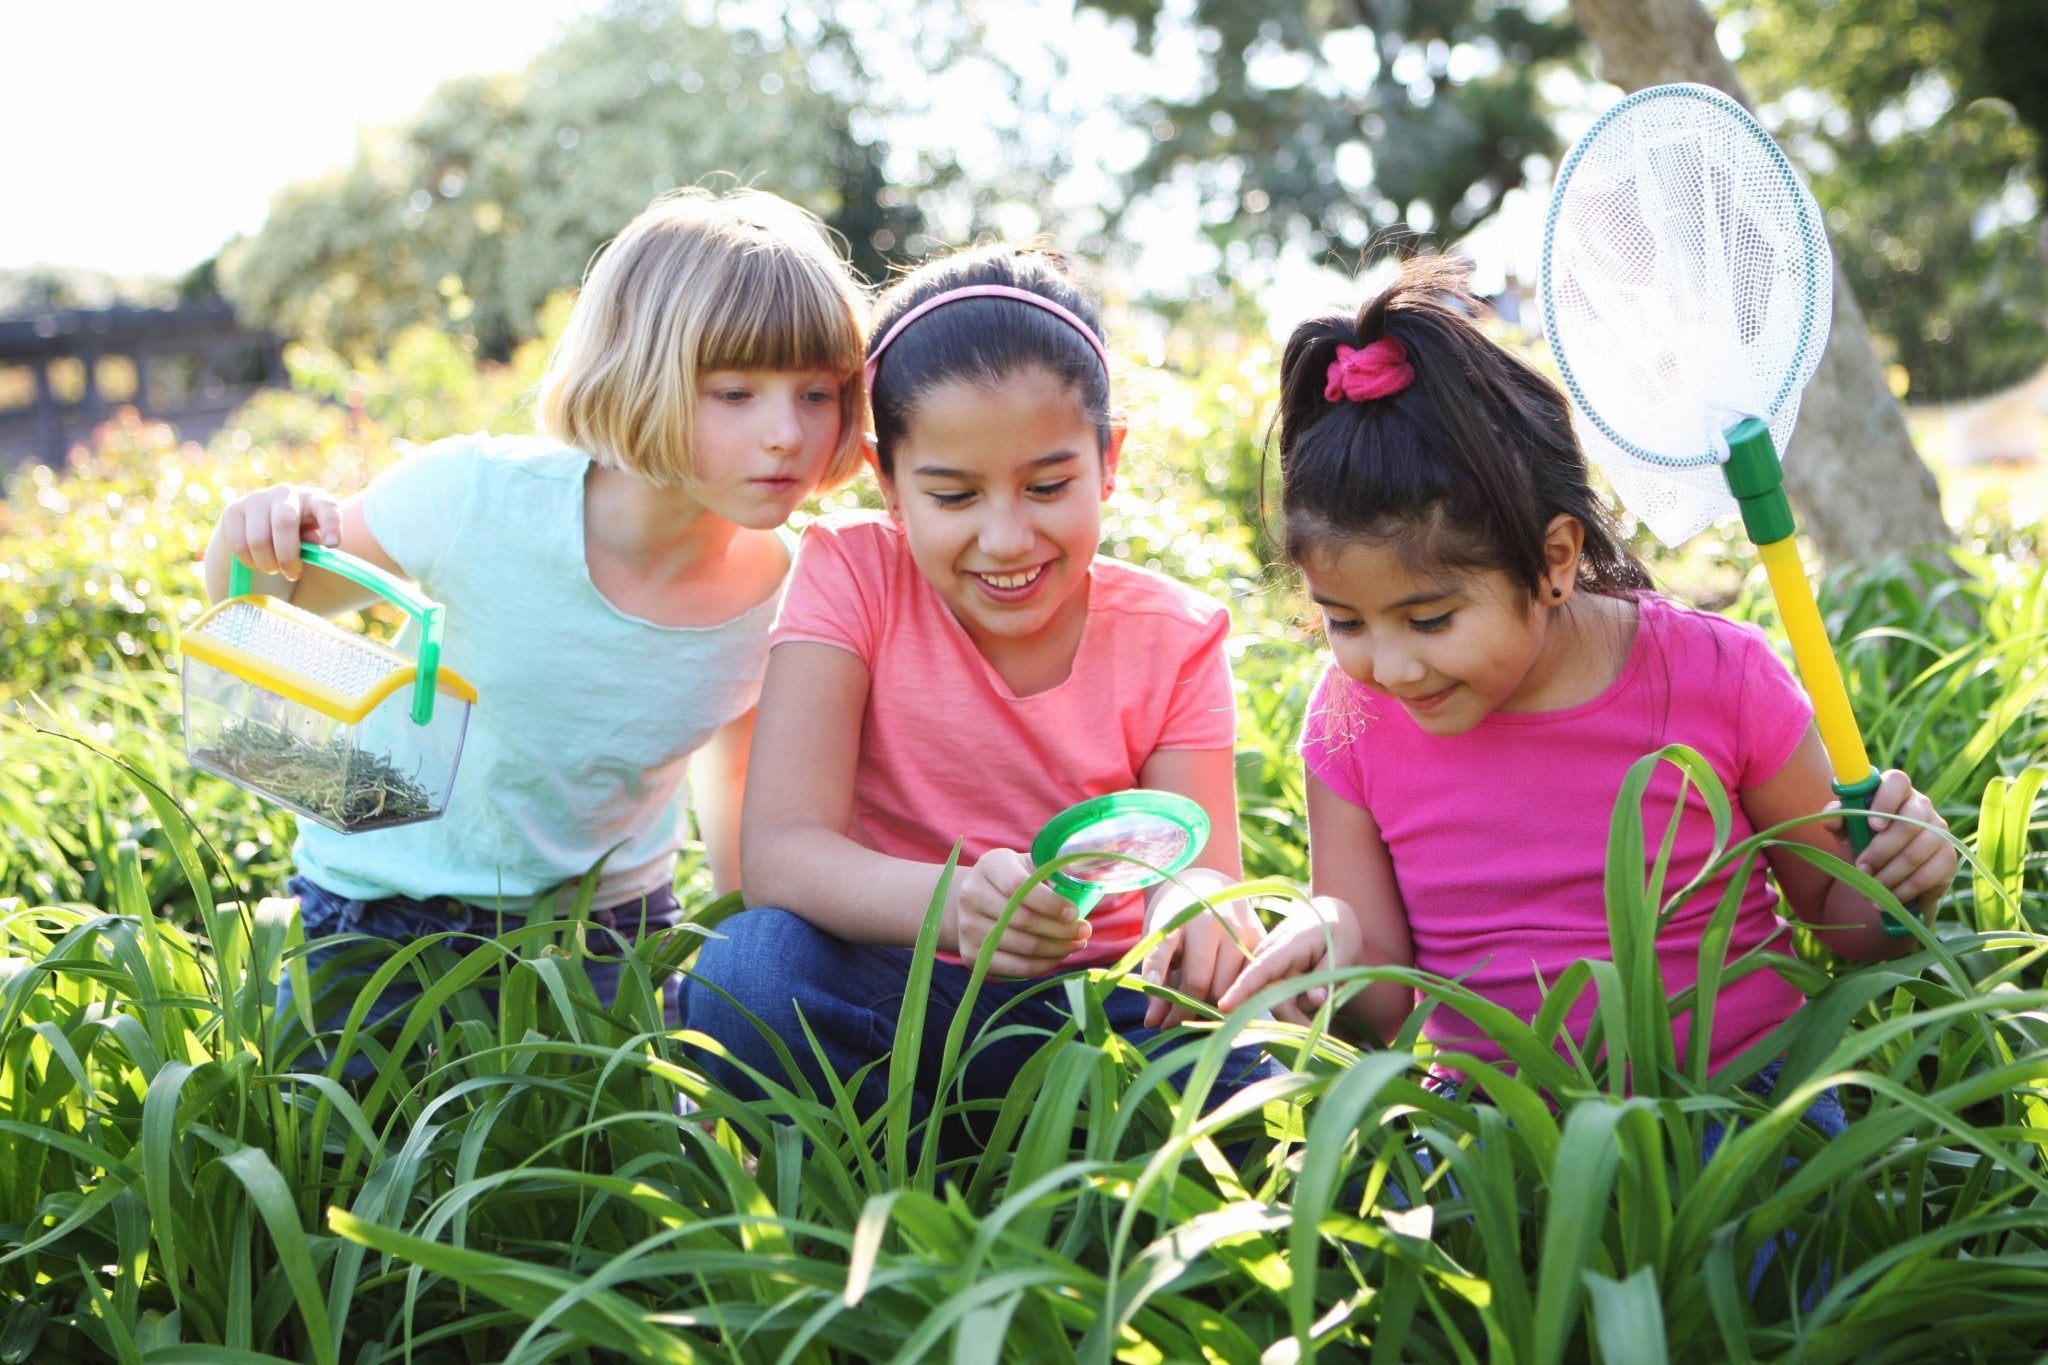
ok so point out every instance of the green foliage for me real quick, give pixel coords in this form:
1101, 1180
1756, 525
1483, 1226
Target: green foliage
497, 192
1325, 124
426, 385
70, 817
99, 559
528, 1176
516, 1181
1930, 180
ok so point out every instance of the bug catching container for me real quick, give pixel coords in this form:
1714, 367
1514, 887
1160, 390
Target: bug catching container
321, 719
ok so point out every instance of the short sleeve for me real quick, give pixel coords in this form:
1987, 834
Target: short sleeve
1337, 711
1201, 709
833, 592
415, 508
1773, 716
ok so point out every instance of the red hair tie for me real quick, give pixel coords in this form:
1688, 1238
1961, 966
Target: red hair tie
1376, 370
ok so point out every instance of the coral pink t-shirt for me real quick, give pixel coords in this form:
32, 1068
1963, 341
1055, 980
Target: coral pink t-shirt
948, 752
1499, 835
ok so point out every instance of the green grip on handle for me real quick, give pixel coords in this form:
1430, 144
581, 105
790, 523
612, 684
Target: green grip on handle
1856, 796
392, 589
1084, 896
1758, 483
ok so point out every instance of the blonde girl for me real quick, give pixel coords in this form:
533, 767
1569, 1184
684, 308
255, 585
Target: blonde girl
609, 584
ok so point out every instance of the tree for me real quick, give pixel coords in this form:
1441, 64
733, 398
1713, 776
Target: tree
1325, 122
498, 191
1328, 123
1861, 488
1907, 118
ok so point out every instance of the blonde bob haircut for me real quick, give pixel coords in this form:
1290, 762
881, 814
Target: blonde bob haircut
701, 282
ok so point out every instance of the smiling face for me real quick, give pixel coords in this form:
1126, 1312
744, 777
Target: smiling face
1451, 646
999, 491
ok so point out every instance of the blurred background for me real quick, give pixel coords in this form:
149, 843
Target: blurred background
374, 207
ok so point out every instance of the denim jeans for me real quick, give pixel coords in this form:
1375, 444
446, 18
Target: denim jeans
772, 962
1825, 1114
402, 919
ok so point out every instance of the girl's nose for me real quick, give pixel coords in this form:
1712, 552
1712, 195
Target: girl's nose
1005, 531
785, 429
1394, 667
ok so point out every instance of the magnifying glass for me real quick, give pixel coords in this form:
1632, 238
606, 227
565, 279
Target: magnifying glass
1135, 839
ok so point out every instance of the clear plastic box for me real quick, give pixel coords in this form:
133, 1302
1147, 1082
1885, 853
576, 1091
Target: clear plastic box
325, 721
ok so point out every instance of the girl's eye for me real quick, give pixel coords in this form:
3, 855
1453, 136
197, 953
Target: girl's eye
1050, 490
731, 395
951, 499
1338, 625
1430, 625
821, 397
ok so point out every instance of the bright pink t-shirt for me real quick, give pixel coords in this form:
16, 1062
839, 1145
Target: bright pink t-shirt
1499, 835
948, 752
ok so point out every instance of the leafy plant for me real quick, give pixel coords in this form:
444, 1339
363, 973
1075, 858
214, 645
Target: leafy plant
520, 1179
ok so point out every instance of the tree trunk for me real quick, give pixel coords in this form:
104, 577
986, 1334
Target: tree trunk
1852, 472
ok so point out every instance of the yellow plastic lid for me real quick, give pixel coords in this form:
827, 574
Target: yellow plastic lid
306, 658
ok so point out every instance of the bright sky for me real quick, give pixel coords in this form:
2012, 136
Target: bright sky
137, 136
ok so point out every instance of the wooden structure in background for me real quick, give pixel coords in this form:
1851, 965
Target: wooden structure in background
63, 373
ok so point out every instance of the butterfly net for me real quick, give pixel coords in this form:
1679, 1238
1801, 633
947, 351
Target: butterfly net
1686, 284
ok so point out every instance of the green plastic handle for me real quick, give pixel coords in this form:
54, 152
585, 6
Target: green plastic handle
1856, 796
394, 590
1084, 896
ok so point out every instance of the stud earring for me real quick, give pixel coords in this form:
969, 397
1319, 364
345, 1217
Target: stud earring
1557, 592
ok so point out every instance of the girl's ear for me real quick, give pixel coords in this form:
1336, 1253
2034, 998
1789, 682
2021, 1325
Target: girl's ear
882, 480
1110, 454
1564, 540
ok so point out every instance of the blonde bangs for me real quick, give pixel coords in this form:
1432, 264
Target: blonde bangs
698, 283
781, 313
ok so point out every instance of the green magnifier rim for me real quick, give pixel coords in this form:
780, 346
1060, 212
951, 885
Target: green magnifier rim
1170, 807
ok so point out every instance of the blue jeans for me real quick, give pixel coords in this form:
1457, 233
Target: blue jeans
1825, 1114
772, 962
325, 915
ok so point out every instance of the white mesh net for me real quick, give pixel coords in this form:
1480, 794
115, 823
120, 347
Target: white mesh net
1686, 285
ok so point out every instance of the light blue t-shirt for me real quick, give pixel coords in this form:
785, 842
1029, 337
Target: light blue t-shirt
585, 717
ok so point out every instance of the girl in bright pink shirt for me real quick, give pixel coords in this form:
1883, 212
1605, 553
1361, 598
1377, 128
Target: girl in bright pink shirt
958, 671
1499, 664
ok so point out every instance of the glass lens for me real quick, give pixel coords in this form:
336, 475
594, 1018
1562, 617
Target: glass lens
1147, 838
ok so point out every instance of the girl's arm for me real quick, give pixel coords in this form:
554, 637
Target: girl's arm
263, 530
1205, 955
1356, 919
718, 782
795, 853
1914, 864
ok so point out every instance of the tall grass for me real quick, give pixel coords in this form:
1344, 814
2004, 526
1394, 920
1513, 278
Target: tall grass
187, 1180
528, 1175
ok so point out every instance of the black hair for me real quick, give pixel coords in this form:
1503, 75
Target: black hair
983, 341
1463, 469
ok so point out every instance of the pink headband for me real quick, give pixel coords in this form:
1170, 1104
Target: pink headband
985, 291
1378, 369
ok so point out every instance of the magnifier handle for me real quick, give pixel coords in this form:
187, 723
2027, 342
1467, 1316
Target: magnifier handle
1084, 896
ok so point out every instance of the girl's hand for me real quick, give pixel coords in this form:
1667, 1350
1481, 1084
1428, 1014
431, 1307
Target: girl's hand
1202, 957
264, 528
1045, 929
1912, 863
1322, 936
